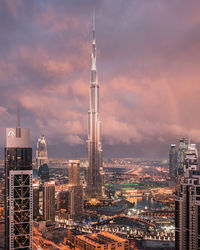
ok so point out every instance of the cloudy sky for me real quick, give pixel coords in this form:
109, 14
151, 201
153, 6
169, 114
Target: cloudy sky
148, 65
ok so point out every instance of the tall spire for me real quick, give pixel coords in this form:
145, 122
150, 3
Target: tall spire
94, 174
93, 25
18, 118
93, 56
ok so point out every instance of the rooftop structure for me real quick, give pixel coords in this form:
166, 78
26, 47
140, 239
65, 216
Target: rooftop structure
101, 241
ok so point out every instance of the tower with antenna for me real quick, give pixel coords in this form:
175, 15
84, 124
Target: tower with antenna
18, 188
94, 149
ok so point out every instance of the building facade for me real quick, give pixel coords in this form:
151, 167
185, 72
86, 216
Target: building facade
18, 187
187, 204
41, 152
100, 241
173, 162
76, 202
94, 173
187, 214
43, 173
36, 192
63, 200
49, 201
183, 145
74, 172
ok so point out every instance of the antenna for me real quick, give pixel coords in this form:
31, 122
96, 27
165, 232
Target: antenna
18, 118
93, 24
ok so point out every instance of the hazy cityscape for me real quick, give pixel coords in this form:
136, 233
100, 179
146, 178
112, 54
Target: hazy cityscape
91, 164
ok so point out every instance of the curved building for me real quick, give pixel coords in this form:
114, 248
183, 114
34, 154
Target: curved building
41, 152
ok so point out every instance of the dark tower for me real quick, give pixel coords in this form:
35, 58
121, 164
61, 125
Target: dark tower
18, 189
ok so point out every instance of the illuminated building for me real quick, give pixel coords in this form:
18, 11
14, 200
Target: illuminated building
74, 172
101, 241
75, 202
183, 145
18, 187
94, 173
187, 204
43, 173
173, 162
36, 188
63, 200
191, 159
41, 152
49, 201
75, 206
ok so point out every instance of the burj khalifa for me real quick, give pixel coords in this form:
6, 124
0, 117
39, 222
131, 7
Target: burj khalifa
94, 172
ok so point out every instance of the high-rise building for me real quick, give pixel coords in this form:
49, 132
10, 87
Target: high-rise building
187, 214
75, 202
187, 204
74, 172
191, 160
41, 152
183, 145
36, 189
75, 206
49, 201
94, 173
63, 200
43, 173
173, 162
18, 187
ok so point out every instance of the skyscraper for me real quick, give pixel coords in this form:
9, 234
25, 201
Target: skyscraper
187, 204
36, 188
18, 186
190, 160
183, 145
41, 152
94, 176
75, 190
43, 173
63, 200
49, 201
75, 202
74, 172
173, 162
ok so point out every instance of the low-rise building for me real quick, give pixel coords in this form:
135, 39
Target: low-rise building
100, 241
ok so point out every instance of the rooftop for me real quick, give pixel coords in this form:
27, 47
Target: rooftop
101, 238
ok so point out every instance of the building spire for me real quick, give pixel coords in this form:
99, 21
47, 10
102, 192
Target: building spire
18, 118
93, 56
93, 25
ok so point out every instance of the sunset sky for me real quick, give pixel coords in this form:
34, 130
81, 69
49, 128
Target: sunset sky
148, 59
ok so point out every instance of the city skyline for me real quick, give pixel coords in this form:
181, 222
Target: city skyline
148, 65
